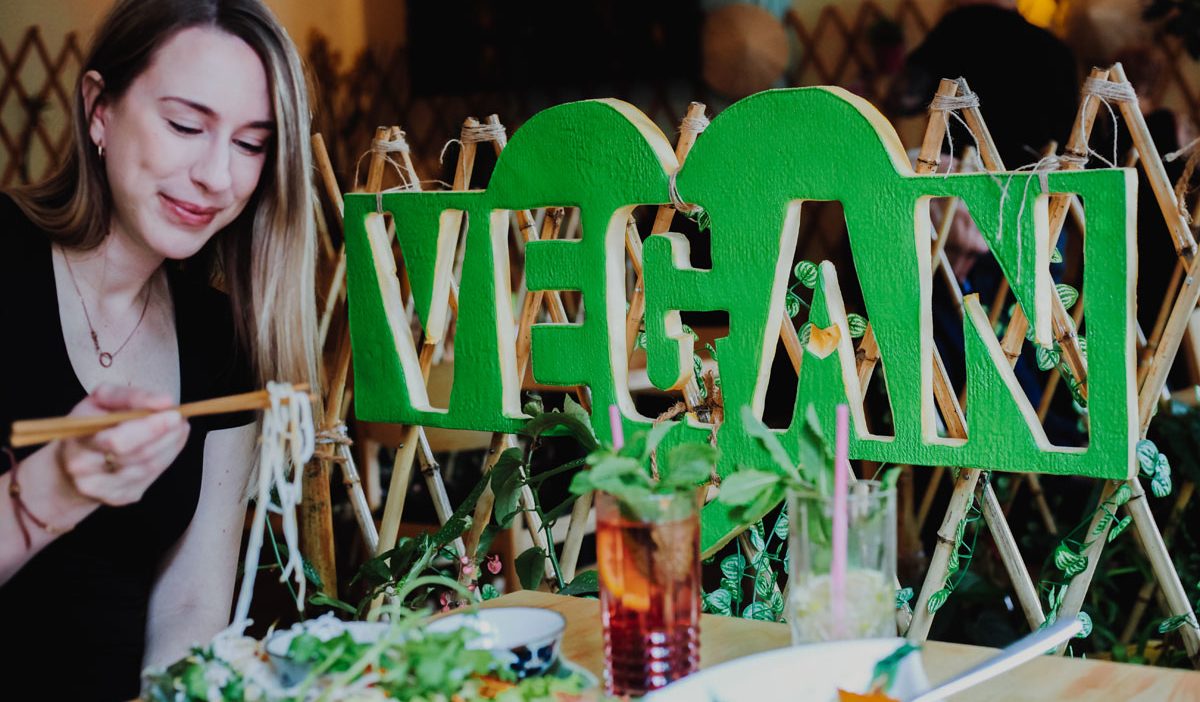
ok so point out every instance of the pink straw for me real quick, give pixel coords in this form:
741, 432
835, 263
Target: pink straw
618, 430
837, 571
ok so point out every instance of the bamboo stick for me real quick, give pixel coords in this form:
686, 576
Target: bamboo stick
1014, 564
1160, 322
358, 499
935, 576
662, 223
316, 523
30, 432
1149, 393
336, 407
432, 472
965, 486
412, 437
1134, 621
577, 526
1156, 173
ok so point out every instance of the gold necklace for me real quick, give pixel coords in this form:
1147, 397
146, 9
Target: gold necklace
104, 357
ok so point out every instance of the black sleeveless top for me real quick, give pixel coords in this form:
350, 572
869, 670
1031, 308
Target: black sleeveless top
73, 619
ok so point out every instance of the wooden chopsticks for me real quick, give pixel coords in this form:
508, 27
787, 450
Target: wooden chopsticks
30, 432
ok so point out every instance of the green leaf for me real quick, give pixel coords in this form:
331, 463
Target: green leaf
557, 423
760, 611
585, 583
311, 574
952, 564
1122, 495
764, 584
1160, 484
1055, 255
617, 474
533, 406
756, 540
769, 439
733, 566
903, 597
857, 324
1147, 454
791, 304
807, 273
777, 604
488, 592
531, 566
745, 486
805, 333
936, 600
689, 465
641, 341
507, 480
454, 528
1068, 561
815, 451
1176, 622
573, 409
1102, 524
733, 587
1067, 294
322, 600
781, 526
719, 602
1047, 358
1119, 527
1086, 619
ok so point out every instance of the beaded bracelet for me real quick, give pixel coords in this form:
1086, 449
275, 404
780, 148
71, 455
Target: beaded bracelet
20, 509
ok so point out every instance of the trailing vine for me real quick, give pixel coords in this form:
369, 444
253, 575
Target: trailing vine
960, 556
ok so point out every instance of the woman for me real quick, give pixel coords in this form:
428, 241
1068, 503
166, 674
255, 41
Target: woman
189, 166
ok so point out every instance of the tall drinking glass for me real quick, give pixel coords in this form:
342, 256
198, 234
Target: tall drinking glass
867, 606
649, 562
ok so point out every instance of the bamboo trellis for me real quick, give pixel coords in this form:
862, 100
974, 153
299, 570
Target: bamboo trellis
1157, 355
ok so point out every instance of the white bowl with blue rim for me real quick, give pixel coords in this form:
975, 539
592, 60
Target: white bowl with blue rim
808, 673
530, 637
325, 627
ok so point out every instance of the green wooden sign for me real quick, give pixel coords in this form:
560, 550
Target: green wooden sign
751, 170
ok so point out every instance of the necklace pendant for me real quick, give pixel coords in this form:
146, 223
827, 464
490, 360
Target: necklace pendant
106, 359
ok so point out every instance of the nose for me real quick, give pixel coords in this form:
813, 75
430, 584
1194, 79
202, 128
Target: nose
211, 170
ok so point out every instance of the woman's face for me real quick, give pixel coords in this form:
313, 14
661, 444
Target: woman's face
185, 145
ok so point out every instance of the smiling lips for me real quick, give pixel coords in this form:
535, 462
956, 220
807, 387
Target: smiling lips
188, 214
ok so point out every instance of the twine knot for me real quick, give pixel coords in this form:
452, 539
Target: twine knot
694, 124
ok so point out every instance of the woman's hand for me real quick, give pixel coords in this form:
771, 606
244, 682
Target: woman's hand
117, 465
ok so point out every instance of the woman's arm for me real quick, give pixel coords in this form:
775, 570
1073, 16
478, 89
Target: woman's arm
192, 597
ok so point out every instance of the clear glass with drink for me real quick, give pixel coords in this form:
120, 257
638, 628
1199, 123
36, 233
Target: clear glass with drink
867, 607
649, 561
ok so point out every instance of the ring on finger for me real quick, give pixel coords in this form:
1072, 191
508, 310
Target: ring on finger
110, 462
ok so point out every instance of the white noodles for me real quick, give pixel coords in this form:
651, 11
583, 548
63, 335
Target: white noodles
287, 442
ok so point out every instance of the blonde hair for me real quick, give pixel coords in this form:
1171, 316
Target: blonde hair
265, 258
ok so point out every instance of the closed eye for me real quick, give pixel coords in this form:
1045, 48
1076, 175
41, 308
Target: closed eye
183, 129
250, 147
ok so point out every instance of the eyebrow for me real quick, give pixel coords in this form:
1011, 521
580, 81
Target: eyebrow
209, 112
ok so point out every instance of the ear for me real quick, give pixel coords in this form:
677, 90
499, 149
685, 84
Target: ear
94, 106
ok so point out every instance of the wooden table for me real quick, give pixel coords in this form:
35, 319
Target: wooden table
1045, 679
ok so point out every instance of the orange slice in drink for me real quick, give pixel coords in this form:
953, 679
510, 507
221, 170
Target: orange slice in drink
873, 696
619, 571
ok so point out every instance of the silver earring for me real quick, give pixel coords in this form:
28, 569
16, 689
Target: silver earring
100, 150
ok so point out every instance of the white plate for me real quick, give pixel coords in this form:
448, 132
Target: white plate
810, 673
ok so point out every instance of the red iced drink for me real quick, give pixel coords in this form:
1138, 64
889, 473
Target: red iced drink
649, 591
